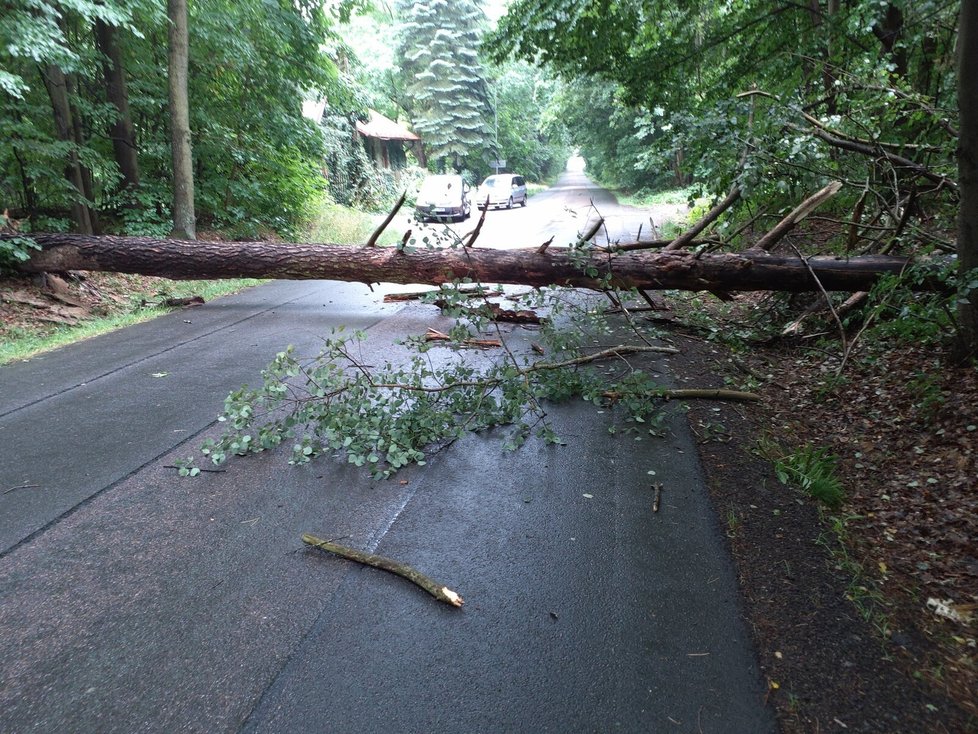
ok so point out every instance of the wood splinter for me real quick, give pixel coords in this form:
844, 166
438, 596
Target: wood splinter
433, 335
440, 592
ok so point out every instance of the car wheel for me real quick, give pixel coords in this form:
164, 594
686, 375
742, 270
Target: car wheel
509, 204
523, 203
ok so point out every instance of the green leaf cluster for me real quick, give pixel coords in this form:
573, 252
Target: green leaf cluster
718, 92
257, 160
16, 250
814, 471
387, 416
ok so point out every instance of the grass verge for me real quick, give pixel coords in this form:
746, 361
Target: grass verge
138, 303
129, 300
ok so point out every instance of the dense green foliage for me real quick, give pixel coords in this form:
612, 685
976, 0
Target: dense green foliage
386, 416
529, 134
443, 80
257, 160
667, 89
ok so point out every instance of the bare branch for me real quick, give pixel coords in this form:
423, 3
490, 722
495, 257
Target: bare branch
797, 215
372, 242
440, 592
686, 238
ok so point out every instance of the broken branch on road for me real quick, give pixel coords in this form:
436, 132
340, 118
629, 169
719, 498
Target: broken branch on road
441, 592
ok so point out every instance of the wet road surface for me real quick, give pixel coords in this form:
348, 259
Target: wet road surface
135, 600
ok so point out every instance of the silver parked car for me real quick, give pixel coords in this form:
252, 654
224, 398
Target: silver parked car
502, 189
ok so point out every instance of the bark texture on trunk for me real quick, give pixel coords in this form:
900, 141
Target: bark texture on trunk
184, 216
968, 173
177, 259
56, 84
117, 93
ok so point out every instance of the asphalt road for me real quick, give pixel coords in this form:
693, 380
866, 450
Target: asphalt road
133, 600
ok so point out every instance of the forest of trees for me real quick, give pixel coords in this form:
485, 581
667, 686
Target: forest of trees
86, 108
764, 101
770, 101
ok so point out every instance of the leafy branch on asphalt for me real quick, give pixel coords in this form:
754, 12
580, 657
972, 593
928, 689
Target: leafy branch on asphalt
386, 416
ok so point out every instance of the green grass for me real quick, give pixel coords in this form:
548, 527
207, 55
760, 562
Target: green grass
644, 197
341, 225
863, 591
334, 224
814, 470
19, 344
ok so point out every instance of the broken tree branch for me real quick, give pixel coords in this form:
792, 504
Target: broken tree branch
469, 241
694, 393
586, 237
797, 215
873, 148
440, 592
494, 312
473, 292
619, 351
686, 238
897, 161
383, 225
433, 335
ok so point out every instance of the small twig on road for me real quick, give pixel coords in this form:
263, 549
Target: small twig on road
21, 486
441, 593
658, 494
211, 471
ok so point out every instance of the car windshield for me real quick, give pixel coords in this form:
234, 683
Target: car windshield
436, 185
492, 181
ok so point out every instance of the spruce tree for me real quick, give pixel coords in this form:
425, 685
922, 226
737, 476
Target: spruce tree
445, 90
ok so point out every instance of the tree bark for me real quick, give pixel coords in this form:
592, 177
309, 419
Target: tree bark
556, 266
184, 218
79, 137
116, 92
57, 87
967, 247
797, 214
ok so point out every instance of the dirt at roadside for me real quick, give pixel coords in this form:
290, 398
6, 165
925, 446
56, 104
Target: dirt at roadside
844, 634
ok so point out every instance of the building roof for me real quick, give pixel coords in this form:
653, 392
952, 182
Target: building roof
383, 128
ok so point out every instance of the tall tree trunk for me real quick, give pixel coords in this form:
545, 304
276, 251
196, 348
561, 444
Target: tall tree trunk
529, 266
968, 174
57, 87
184, 218
78, 132
889, 32
117, 94
26, 179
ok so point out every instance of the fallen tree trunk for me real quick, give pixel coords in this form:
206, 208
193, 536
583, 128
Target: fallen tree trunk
183, 260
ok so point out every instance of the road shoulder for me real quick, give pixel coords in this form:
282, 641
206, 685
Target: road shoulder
826, 667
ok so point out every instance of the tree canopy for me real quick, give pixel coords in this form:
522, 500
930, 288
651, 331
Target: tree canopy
444, 82
251, 64
879, 72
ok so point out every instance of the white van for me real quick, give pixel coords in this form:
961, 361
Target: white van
443, 198
503, 189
